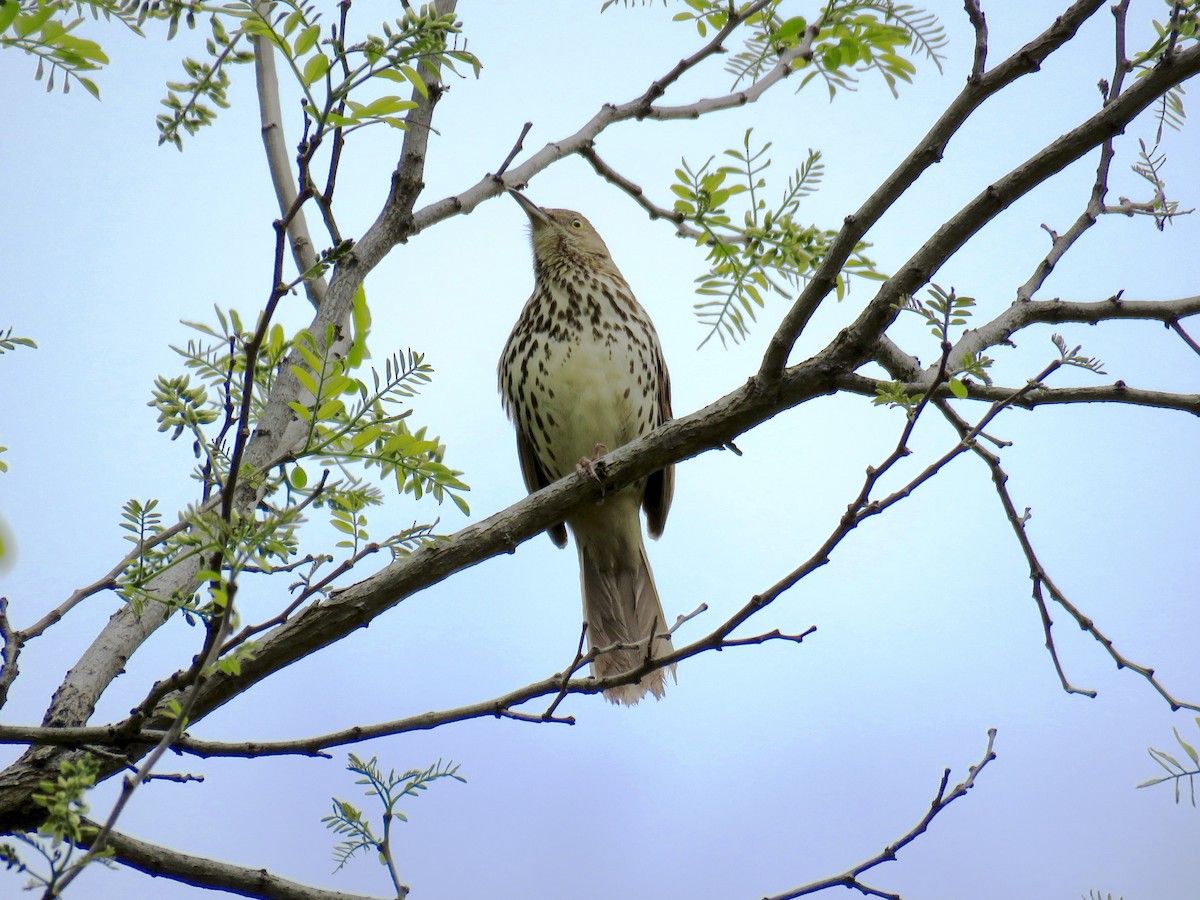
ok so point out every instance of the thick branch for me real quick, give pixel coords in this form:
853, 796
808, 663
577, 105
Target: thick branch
278, 162
209, 873
927, 152
1022, 314
864, 333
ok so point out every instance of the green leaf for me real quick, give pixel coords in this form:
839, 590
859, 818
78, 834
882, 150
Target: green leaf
789, 32
316, 68
385, 106
8, 14
417, 81
330, 409
301, 410
1188, 748
958, 389
305, 378
298, 477
307, 40
28, 24
361, 318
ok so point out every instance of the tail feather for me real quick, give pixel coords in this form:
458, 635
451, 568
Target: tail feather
621, 606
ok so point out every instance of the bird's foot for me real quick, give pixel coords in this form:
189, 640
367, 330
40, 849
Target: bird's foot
592, 465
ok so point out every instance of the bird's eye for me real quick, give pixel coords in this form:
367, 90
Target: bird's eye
576, 224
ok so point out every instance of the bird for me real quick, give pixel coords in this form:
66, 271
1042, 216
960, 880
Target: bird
583, 373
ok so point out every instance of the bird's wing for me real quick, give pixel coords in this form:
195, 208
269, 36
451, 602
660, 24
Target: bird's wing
536, 478
660, 485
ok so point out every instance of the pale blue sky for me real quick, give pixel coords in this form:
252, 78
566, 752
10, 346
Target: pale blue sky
764, 768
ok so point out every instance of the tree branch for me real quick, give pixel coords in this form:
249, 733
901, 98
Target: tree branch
1118, 392
609, 114
209, 873
882, 309
278, 163
1061, 243
278, 430
928, 151
850, 878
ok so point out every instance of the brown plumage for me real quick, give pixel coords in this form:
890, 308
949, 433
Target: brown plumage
583, 372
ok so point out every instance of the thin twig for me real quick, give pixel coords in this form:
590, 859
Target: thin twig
1187, 338
687, 617
979, 23
512, 154
12, 649
942, 799
576, 664
611, 175
106, 582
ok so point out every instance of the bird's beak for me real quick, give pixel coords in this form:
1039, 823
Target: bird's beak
536, 214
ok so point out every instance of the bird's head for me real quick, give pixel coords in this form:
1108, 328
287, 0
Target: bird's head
558, 233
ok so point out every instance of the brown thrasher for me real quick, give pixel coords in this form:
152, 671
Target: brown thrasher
583, 373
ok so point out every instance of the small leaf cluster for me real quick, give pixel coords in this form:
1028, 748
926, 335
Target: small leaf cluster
770, 250
1149, 166
8, 342
852, 37
389, 790
188, 102
1181, 28
370, 429
705, 14
941, 311
62, 797
1176, 771
353, 425
330, 72
1072, 356
45, 30
893, 394
143, 524
181, 406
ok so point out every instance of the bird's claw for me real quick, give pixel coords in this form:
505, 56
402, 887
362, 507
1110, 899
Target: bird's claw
592, 465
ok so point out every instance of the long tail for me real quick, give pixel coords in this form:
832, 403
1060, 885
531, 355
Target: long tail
621, 605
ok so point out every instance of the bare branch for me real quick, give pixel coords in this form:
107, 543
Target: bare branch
610, 114
278, 162
203, 872
611, 175
942, 799
1021, 314
11, 650
1061, 243
1040, 577
979, 23
1187, 338
1117, 392
517, 148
